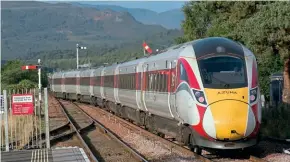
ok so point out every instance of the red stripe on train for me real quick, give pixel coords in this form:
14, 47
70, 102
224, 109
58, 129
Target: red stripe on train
193, 83
254, 75
257, 127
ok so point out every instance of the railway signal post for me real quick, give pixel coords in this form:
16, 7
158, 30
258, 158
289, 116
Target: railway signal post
34, 67
38, 67
79, 47
146, 48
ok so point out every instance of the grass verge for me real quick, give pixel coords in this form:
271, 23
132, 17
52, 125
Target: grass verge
276, 121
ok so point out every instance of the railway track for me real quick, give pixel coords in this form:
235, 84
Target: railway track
133, 128
100, 144
173, 146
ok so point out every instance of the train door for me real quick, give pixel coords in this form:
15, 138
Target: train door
102, 83
139, 87
116, 84
144, 84
62, 83
173, 82
78, 82
92, 79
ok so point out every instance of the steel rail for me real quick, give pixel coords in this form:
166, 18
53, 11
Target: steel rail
155, 137
114, 136
91, 155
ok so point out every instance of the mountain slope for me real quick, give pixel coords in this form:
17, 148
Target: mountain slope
29, 27
170, 19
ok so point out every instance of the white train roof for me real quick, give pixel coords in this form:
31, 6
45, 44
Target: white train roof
173, 52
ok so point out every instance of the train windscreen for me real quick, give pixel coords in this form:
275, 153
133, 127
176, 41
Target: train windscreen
223, 72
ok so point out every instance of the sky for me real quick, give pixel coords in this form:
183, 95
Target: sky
157, 6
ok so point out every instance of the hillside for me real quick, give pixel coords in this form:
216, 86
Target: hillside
170, 19
30, 28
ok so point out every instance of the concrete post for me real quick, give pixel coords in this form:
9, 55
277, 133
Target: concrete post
47, 135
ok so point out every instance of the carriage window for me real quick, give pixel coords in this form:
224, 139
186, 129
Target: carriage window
155, 82
223, 72
166, 64
159, 82
131, 81
160, 85
165, 82
134, 81
132, 84
151, 82
183, 74
127, 81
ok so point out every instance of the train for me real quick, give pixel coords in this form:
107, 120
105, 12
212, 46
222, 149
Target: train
203, 93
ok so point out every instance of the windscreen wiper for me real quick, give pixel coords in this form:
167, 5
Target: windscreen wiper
223, 83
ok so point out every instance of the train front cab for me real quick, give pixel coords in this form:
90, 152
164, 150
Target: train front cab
225, 92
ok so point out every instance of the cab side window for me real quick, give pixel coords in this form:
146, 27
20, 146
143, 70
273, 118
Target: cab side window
183, 74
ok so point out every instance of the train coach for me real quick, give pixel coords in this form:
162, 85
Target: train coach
203, 93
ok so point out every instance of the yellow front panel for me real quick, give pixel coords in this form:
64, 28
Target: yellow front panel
230, 111
214, 95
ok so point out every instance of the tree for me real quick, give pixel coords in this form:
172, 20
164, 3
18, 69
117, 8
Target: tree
12, 77
262, 26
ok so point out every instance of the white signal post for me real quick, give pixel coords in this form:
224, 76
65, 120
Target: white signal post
34, 67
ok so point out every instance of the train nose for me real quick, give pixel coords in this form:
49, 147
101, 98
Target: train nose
230, 119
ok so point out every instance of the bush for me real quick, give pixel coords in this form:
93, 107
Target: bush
276, 121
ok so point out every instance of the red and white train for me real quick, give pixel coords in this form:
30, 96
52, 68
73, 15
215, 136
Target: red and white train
204, 93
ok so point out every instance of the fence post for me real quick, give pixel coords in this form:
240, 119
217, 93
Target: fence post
40, 119
47, 136
6, 120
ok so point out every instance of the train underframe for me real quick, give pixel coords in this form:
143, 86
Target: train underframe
182, 133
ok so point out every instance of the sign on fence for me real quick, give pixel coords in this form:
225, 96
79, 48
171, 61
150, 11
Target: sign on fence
22, 104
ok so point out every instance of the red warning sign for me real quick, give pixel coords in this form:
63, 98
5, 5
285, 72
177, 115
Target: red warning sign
22, 104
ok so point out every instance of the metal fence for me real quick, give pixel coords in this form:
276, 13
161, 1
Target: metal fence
24, 122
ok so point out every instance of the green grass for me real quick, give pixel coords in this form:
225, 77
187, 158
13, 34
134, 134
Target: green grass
276, 121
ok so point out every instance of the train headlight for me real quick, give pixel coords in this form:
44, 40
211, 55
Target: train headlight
199, 95
253, 95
